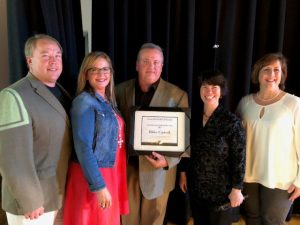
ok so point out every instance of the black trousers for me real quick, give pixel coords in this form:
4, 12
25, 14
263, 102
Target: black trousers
178, 208
205, 213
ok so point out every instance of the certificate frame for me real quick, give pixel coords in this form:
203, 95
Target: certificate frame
161, 129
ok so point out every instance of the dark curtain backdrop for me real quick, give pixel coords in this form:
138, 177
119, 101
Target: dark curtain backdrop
197, 35
58, 18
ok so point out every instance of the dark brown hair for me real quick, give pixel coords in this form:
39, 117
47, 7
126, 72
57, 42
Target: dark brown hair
213, 77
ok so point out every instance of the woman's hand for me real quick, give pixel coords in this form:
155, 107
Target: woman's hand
182, 182
294, 191
104, 198
236, 197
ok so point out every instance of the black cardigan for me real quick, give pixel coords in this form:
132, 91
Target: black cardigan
217, 162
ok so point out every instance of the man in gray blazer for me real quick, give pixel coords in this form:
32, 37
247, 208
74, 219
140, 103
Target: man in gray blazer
150, 178
35, 137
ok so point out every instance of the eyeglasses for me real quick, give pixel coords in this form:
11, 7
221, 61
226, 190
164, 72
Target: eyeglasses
147, 62
95, 70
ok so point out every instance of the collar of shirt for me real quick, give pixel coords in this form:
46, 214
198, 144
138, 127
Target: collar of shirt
144, 98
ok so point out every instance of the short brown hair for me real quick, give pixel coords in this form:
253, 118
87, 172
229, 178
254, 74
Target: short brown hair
31, 43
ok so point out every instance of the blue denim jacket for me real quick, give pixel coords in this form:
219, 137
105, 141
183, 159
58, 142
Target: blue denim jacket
95, 134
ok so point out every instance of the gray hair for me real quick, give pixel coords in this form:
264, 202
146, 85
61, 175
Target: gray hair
150, 46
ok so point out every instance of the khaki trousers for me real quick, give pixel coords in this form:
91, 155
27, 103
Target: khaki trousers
143, 211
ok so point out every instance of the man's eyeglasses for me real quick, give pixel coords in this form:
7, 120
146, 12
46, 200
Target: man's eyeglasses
95, 70
148, 62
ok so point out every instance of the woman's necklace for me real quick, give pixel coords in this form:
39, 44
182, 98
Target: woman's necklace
120, 138
205, 118
269, 99
205, 115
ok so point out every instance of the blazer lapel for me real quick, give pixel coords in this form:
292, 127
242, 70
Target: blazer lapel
42, 91
156, 99
130, 94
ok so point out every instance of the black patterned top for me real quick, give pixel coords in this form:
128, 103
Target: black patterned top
217, 162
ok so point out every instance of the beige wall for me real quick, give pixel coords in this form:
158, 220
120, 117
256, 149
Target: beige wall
86, 10
4, 73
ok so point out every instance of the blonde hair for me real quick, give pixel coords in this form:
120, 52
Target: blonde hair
83, 84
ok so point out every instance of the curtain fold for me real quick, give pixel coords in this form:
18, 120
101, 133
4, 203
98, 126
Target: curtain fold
197, 35
58, 18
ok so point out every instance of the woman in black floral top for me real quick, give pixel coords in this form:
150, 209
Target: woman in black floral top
215, 171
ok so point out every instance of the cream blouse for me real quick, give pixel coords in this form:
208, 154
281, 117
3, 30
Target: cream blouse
272, 141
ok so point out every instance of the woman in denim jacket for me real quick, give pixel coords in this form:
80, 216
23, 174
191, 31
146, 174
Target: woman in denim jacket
96, 189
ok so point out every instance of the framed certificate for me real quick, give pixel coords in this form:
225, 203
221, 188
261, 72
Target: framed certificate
163, 130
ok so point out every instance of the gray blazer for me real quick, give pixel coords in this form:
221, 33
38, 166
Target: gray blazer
153, 182
35, 146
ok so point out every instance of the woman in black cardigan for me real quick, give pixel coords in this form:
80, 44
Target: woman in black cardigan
214, 173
